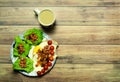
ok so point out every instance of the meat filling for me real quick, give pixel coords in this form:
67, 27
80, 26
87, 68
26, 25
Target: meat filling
22, 63
43, 56
20, 48
32, 37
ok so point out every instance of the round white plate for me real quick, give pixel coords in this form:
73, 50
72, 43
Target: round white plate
33, 73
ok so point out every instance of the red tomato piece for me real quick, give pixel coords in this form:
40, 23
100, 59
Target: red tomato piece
45, 67
52, 52
51, 47
51, 58
49, 64
42, 71
39, 73
49, 42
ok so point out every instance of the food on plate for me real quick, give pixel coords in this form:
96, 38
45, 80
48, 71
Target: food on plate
33, 36
23, 64
43, 55
33, 53
20, 48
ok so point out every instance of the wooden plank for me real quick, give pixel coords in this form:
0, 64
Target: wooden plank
7, 74
65, 35
14, 3
74, 16
68, 73
77, 54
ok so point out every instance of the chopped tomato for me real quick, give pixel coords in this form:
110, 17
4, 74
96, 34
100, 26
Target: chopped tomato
42, 71
39, 73
49, 64
45, 67
49, 42
52, 52
51, 47
51, 58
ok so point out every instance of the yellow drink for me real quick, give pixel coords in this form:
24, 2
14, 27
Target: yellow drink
46, 17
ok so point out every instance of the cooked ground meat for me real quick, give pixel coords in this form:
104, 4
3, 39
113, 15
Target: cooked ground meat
32, 37
43, 56
22, 62
20, 48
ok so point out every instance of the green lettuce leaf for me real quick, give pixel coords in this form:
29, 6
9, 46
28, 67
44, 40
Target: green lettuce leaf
29, 65
27, 47
37, 32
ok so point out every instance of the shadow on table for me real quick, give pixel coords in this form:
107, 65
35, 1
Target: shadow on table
49, 29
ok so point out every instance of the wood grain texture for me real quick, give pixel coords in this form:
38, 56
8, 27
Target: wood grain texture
65, 16
36, 3
69, 35
88, 33
67, 73
77, 54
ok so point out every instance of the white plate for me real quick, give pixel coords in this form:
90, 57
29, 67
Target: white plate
33, 73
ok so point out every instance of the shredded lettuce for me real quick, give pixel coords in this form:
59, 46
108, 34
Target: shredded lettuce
37, 32
27, 47
29, 65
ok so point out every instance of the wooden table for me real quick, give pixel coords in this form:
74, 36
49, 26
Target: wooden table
88, 33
